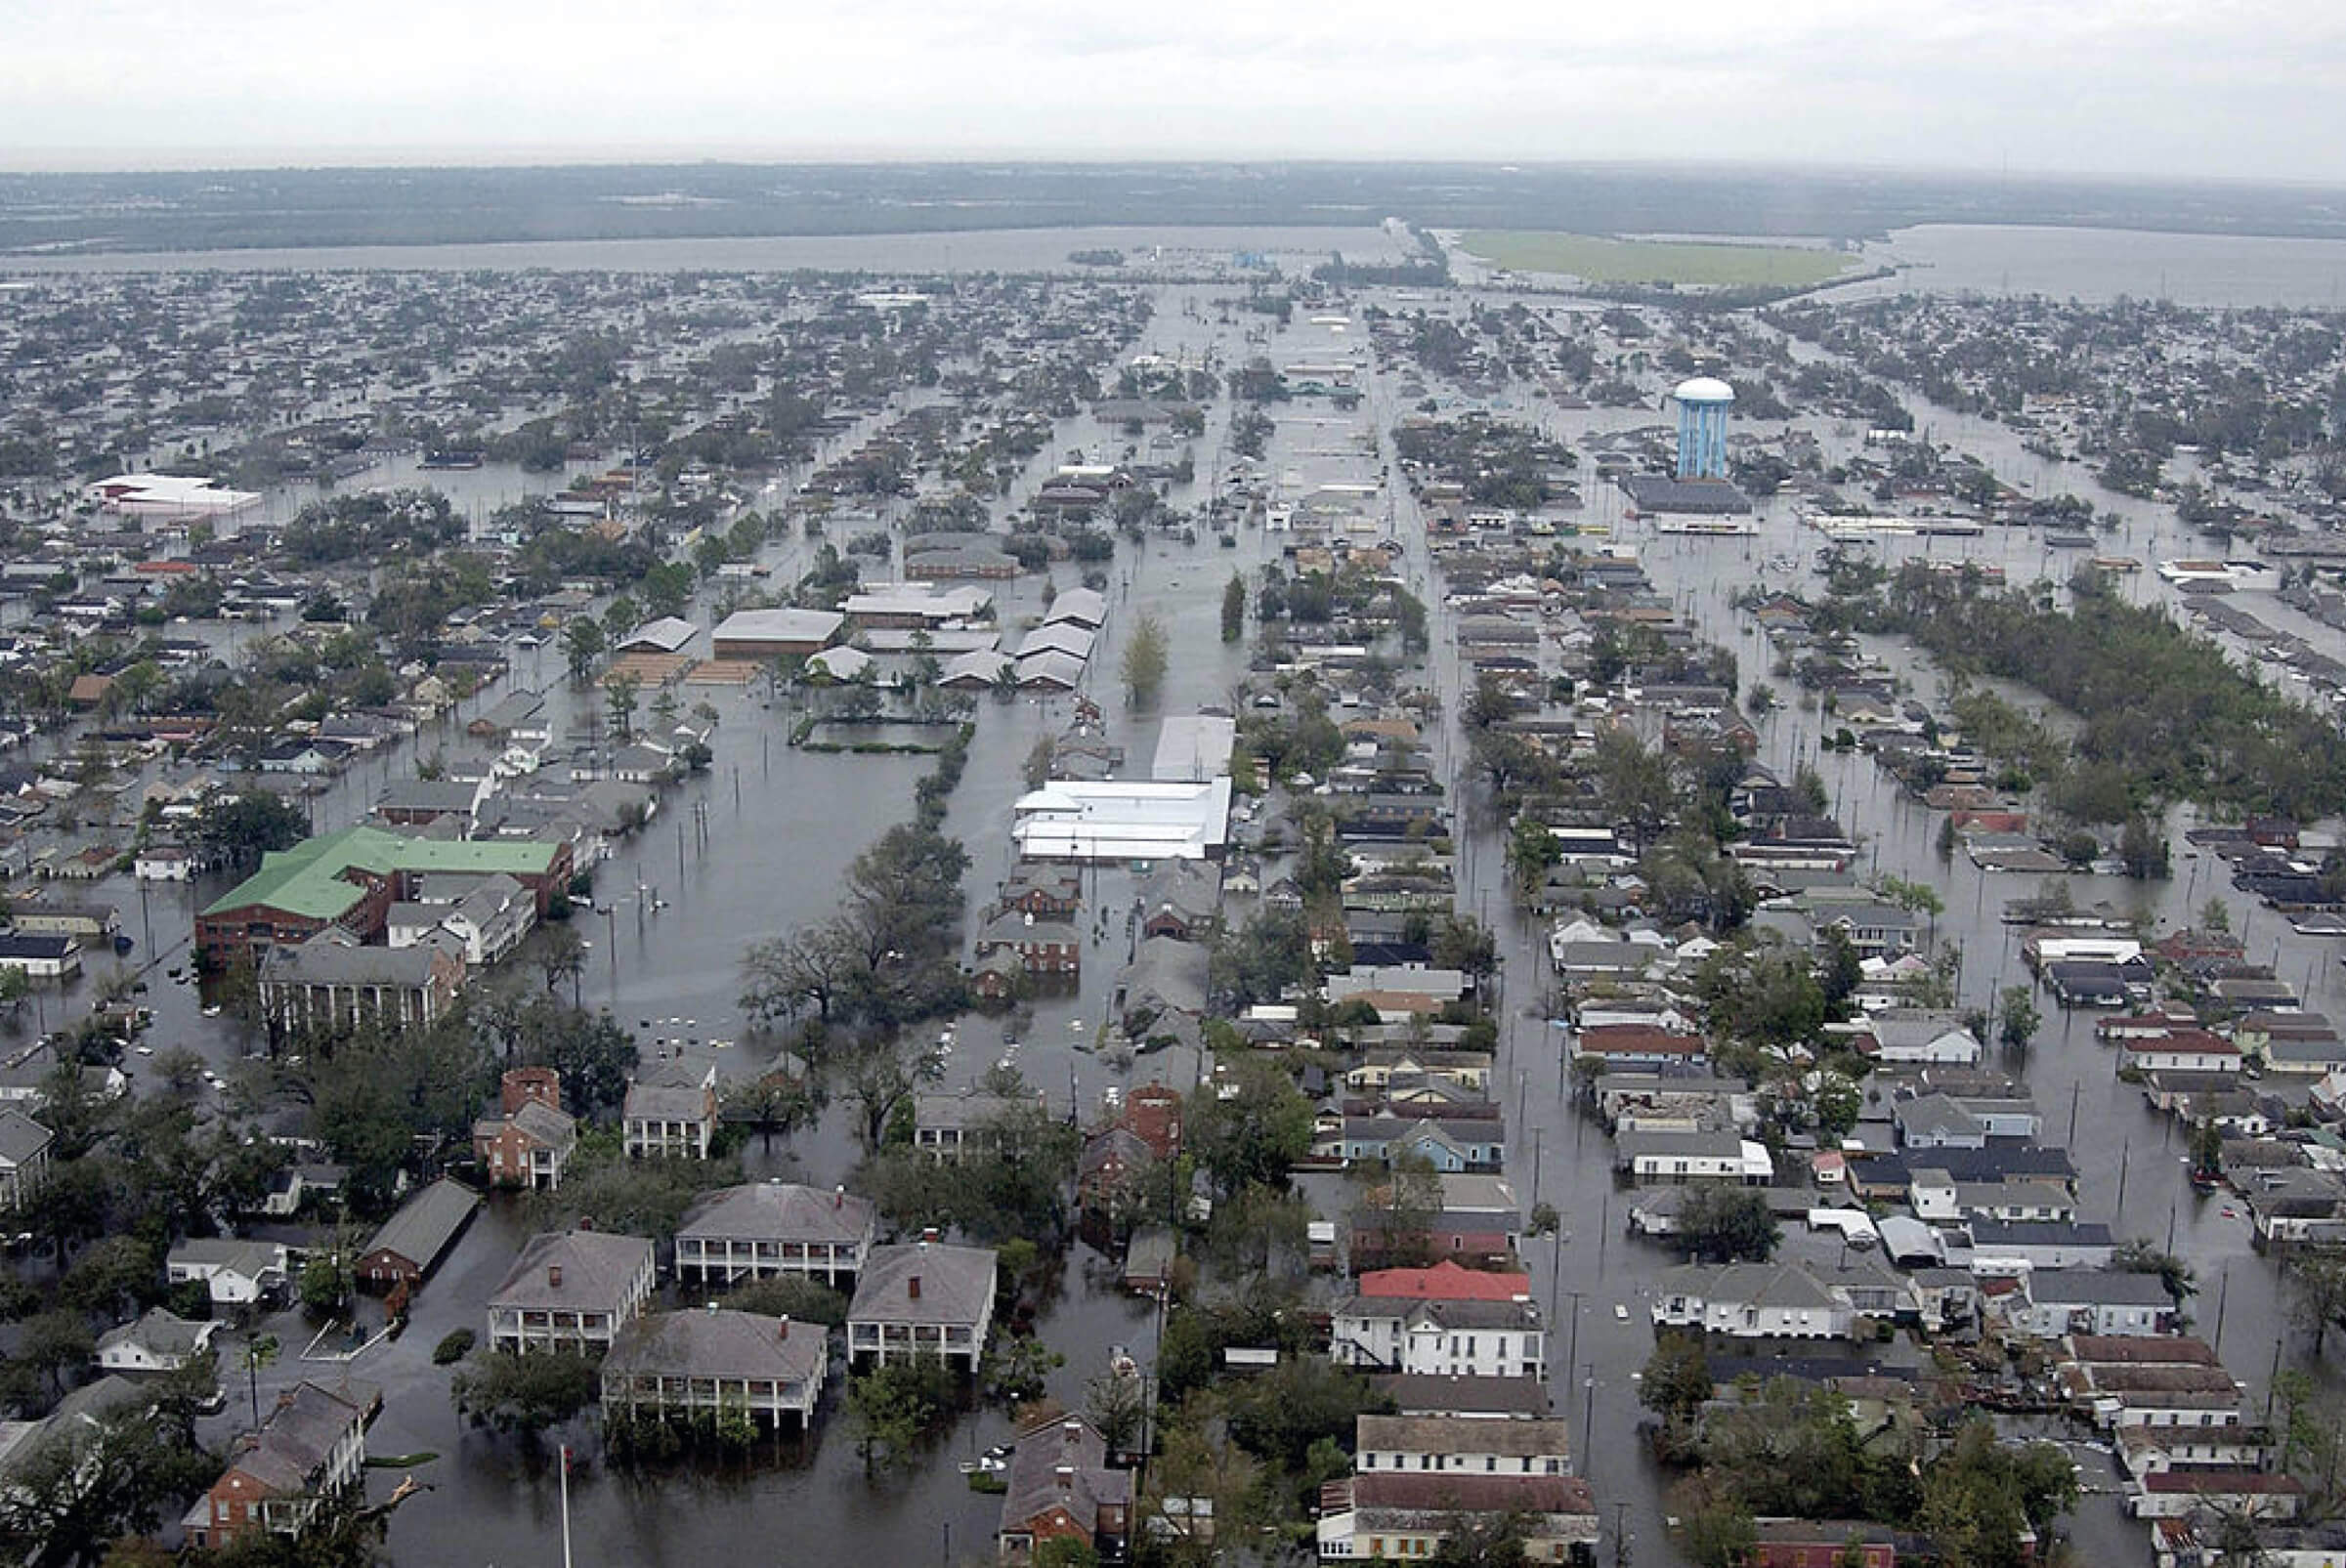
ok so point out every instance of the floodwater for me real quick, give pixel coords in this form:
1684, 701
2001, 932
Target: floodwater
756, 847
2096, 265
974, 250
2064, 263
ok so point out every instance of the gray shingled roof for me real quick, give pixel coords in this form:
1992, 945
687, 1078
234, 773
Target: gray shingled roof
427, 1222
715, 1343
776, 1210
956, 1285
22, 1138
596, 1271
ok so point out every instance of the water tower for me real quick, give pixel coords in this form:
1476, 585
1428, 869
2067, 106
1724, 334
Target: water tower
1702, 405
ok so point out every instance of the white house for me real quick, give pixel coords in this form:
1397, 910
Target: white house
1752, 1302
159, 1342
2186, 1050
1488, 1337
238, 1272
1654, 1159
25, 1146
165, 862
1925, 1036
2054, 1302
1469, 1445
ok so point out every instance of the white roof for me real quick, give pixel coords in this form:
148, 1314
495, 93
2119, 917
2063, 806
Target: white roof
1193, 747
1703, 388
1116, 820
779, 626
923, 599
169, 493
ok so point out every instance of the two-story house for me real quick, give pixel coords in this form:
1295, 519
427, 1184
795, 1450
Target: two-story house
672, 1116
1061, 1487
1461, 1444
311, 1449
768, 1230
1445, 1320
680, 1364
570, 1291
1752, 1302
922, 1298
532, 1137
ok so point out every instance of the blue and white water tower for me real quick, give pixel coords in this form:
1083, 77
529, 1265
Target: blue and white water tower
1702, 405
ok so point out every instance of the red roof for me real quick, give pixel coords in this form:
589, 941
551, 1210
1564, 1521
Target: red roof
157, 568
1444, 1282
1638, 1040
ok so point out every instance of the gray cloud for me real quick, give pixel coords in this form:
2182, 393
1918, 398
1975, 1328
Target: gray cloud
2119, 86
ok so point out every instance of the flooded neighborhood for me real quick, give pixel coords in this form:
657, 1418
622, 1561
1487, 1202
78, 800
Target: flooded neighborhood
1169, 895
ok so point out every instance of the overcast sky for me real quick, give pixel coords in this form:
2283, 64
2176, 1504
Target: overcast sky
2230, 88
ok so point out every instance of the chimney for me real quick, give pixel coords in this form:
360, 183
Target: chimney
911, 1288
928, 1235
553, 1276
782, 1330
838, 1197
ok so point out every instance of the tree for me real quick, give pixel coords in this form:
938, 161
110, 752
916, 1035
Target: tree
1465, 944
1039, 759
328, 1278
1727, 1224
1016, 1367
1066, 1551
2017, 1019
1145, 661
620, 693
1531, 849
777, 1104
1234, 609
1721, 1532
895, 1405
54, 1343
583, 641
1400, 1210
520, 1393
260, 1350
1483, 1540
2318, 1293
800, 1298
1254, 1131
116, 1272
240, 829
560, 955
591, 1052
786, 975
97, 1481
603, 1188
1677, 1378
1979, 1495
1118, 1409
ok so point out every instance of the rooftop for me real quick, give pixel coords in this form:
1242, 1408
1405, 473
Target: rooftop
309, 879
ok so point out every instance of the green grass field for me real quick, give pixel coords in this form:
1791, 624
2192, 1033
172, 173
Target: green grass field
1652, 260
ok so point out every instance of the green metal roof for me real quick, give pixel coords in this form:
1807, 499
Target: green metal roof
307, 879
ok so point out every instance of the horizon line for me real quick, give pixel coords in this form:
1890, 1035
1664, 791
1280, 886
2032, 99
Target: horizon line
66, 162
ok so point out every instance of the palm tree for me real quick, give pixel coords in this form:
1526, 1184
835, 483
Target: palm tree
261, 1350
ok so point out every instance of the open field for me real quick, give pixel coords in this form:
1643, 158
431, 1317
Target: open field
1596, 260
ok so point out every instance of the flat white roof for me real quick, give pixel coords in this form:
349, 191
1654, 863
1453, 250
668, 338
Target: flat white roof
778, 625
1115, 819
185, 493
1193, 747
